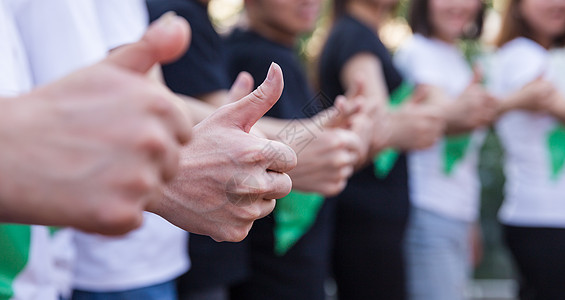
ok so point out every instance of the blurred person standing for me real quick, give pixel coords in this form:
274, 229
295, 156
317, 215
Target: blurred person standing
372, 212
85, 32
25, 252
289, 251
444, 179
533, 139
28, 269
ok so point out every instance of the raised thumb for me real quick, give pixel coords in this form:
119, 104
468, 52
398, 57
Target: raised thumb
477, 76
165, 40
242, 86
247, 111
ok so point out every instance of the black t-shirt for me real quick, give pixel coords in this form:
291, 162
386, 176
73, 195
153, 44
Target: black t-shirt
366, 196
248, 51
202, 69
300, 272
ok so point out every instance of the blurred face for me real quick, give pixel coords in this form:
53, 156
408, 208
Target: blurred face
292, 17
450, 18
546, 18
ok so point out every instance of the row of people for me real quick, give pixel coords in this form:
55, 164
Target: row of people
406, 231
95, 149
360, 210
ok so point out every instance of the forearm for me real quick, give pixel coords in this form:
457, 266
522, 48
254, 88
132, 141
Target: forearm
454, 124
510, 103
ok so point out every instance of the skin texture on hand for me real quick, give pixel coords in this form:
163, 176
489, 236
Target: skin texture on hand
416, 125
474, 108
327, 149
228, 178
93, 149
327, 162
536, 96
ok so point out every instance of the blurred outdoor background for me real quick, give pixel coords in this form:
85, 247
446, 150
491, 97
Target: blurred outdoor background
494, 276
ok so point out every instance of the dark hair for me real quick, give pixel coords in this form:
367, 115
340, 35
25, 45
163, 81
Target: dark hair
419, 20
514, 25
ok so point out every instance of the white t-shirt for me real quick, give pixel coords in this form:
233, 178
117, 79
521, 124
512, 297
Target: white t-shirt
26, 251
61, 36
155, 253
533, 197
152, 254
456, 195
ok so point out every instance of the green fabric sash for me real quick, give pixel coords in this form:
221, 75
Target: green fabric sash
556, 147
454, 150
15, 243
385, 160
294, 216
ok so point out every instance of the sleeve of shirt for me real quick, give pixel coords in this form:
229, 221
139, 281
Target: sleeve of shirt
202, 69
122, 22
358, 40
416, 62
520, 62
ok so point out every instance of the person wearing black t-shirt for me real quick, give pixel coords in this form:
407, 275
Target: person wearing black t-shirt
286, 265
372, 212
202, 73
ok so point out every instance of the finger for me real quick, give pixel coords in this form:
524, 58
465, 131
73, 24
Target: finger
280, 185
245, 112
280, 157
477, 76
165, 40
340, 115
419, 96
242, 86
168, 107
162, 151
357, 87
266, 207
351, 141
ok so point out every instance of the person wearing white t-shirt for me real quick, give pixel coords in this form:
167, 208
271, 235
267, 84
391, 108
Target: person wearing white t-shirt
85, 31
23, 254
29, 193
443, 179
80, 151
533, 211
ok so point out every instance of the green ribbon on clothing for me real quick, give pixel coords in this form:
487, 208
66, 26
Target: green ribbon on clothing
454, 150
385, 160
294, 216
53, 230
556, 147
15, 244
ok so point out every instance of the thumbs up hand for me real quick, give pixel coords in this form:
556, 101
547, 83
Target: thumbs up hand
474, 108
95, 148
228, 178
417, 124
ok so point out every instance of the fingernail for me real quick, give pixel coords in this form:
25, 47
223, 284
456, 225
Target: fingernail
271, 73
167, 20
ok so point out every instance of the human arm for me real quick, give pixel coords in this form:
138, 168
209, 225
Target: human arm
228, 178
473, 108
414, 125
92, 150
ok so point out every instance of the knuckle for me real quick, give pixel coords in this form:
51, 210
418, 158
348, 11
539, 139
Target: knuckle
143, 182
153, 142
259, 95
118, 221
